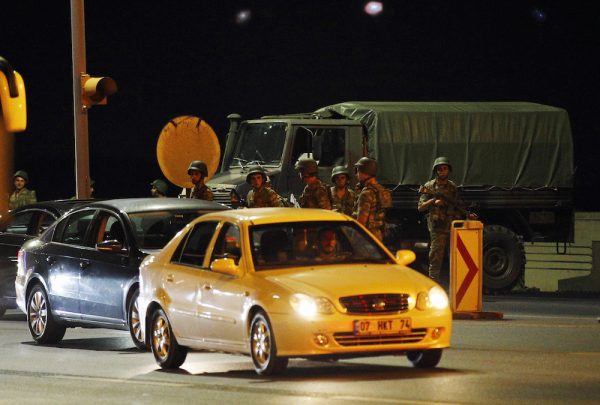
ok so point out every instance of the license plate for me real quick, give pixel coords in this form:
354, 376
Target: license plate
382, 326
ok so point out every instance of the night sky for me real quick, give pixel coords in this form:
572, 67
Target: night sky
195, 57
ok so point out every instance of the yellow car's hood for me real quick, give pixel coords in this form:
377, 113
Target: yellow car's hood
342, 280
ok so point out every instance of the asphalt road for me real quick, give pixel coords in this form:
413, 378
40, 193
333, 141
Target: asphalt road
544, 350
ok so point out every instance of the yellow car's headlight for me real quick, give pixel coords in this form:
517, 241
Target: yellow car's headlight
435, 298
308, 306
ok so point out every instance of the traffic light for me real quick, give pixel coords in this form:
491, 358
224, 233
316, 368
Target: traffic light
95, 90
12, 98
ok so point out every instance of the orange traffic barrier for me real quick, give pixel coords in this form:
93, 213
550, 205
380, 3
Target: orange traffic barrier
466, 271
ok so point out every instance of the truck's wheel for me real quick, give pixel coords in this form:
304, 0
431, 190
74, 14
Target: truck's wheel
503, 258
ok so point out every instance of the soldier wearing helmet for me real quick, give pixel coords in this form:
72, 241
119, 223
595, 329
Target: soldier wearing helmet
342, 197
439, 198
260, 195
198, 172
159, 188
373, 198
316, 194
21, 195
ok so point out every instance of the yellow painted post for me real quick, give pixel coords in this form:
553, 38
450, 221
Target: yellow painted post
466, 266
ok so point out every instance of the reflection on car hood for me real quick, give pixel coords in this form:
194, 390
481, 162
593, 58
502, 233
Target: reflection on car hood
343, 280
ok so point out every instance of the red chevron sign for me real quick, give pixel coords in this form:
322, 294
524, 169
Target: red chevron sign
464, 253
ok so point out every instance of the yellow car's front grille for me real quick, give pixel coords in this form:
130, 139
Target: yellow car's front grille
350, 339
375, 304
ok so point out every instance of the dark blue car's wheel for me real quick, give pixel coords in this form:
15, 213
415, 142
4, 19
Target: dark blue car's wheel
44, 329
133, 321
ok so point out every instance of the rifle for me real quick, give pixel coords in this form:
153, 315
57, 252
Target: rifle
450, 201
236, 200
294, 202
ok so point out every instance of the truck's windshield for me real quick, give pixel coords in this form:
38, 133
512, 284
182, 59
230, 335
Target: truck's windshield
259, 143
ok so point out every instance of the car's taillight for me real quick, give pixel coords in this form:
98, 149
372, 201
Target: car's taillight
20, 264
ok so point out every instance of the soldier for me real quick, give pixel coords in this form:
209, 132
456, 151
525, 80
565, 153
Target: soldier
342, 197
22, 195
316, 194
373, 199
439, 199
198, 172
260, 195
159, 188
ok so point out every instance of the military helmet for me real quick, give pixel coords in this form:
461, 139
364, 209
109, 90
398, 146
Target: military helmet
442, 160
367, 166
160, 185
339, 170
307, 164
23, 174
200, 166
256, 169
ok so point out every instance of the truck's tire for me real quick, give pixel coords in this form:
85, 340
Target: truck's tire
503, 258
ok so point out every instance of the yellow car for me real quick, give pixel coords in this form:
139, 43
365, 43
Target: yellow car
277, 283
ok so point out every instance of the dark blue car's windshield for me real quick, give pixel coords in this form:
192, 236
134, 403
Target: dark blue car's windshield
153, 230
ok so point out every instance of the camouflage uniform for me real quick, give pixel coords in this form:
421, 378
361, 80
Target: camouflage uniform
316, 195
374, 199
439, 220
345, 204
202, 193
263, 197
21, 198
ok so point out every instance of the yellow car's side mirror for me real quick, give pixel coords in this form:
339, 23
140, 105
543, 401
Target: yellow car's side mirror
405, 257
225, 266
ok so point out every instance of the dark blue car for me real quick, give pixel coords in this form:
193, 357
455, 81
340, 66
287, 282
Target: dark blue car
83, 270
23, 224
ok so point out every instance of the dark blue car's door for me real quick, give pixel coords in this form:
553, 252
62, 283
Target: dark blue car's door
104, 282
64, 259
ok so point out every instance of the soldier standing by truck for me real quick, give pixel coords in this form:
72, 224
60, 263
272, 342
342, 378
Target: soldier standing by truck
21, 195
198, 172
439, 199
316, 194
159, 188
342, 197
373, 198
260, 195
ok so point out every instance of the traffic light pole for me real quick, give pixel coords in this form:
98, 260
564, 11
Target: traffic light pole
82, 152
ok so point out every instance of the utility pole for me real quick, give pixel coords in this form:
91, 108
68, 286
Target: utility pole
87, 91
82, 149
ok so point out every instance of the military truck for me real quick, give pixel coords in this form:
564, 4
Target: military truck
513, 162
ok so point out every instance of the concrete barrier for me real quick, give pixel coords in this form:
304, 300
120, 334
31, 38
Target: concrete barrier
588, 283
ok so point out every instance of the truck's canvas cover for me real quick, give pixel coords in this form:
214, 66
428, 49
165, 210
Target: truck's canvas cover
503, 144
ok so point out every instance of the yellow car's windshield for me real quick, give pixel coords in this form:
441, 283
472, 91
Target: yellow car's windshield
313, 242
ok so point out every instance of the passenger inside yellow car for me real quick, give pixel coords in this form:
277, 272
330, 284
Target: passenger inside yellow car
327, 243
274, 245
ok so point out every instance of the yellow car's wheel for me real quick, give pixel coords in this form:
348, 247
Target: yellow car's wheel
424, 358
166, 350
263, 348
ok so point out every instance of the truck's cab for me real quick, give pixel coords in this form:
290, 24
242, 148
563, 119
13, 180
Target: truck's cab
276, 143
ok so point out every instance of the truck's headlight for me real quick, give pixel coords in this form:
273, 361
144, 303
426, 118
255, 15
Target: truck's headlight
434, 298
308, 306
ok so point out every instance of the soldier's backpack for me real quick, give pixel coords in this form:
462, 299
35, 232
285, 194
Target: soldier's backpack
384, 197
